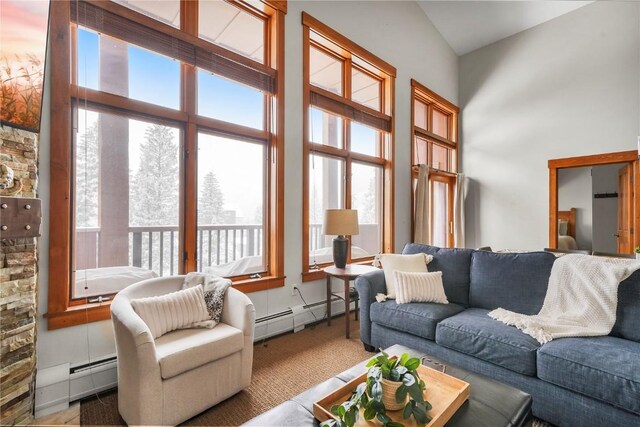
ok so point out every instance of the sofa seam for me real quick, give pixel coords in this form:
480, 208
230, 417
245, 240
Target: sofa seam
490, 338
590, 367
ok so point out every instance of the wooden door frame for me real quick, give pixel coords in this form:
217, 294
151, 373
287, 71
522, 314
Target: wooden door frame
592, 160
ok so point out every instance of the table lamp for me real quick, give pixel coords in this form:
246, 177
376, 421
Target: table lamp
340, 223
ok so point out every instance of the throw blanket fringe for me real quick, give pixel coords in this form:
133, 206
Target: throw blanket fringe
581, 300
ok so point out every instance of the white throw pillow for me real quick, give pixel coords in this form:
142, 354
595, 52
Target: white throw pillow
419, 287
416, 263
177, 310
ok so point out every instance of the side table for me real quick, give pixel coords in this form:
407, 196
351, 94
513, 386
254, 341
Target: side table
347, 274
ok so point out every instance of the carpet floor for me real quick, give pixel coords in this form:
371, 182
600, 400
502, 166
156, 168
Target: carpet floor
282, 368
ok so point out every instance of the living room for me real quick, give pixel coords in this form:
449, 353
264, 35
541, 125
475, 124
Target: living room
246, 123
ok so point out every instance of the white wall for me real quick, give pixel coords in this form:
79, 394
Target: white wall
399, 33
575, 191
568, 87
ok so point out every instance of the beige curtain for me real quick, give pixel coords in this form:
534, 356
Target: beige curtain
458, 212
421, 215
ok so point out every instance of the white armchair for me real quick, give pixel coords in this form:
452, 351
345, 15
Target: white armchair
180, 374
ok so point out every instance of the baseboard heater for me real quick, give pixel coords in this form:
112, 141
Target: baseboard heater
289, 312
93, 365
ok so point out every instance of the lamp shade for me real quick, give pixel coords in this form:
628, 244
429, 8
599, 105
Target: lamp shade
341, 222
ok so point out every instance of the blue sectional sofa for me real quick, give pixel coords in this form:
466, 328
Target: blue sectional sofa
573, 381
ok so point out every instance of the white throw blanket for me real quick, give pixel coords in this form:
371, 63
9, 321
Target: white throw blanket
581, 299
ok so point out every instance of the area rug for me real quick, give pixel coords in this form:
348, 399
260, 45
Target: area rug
282, 368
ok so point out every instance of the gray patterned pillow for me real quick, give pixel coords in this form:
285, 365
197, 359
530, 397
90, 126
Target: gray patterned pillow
215, 289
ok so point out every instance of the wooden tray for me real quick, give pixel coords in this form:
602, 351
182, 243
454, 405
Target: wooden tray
445, 393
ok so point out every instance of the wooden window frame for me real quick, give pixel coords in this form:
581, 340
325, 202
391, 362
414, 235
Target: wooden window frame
63, 311
383, 118
423, 94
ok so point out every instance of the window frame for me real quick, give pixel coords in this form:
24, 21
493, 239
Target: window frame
386, 114
423, 94
63, 311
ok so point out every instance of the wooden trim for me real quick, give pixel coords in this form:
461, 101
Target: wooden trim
594, 160
554, 165
129, 105
348, 109
280, 5
306, 148
337, 38
425, 134
60, 161
434, 97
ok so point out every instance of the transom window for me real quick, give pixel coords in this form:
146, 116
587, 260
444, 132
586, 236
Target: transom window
348, 131
168, 132
435, 144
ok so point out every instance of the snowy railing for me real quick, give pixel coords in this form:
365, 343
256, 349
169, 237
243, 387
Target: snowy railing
156, 247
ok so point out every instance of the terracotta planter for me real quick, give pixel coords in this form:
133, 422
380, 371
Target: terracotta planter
389, 389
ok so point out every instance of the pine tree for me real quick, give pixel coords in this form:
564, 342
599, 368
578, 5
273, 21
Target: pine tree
367, 204
87, 180
153, 198
211, 201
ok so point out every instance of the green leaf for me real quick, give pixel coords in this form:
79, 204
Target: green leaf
427, 406
376, 391
408, 410
394, 375
328, 423
350, 417
402, 370
383, 360
420, 414
334, 409
362, 387
416, 393
412, 364
341, 411
385, 371
371, 362
369, 413
404, 358
383, 418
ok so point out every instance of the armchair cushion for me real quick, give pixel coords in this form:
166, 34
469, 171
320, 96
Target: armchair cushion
182, 350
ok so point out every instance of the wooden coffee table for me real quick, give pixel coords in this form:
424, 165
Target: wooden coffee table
347, 274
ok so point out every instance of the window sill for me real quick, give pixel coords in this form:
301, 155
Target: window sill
86, 313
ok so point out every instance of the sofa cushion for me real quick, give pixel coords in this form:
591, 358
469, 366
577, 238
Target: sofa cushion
628, 314
474, 333
417, 318
185, 349
513, 281
605, 368
454, 264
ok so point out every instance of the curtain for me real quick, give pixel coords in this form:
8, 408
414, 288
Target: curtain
421, 216
458, 212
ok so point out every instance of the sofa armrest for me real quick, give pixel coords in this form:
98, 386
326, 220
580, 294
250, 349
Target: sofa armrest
368, 286
238, 311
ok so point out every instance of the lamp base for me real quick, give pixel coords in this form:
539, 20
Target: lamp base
340, 249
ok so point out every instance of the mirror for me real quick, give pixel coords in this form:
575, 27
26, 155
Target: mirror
592, 203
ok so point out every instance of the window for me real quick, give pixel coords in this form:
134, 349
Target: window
435, 143
170, 139
348, 131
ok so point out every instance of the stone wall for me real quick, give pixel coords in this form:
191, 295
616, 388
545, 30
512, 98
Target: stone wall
18, 290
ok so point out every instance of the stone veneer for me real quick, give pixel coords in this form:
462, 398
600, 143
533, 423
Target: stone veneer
18, 290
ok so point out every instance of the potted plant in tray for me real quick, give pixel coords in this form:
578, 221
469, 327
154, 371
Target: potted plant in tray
392, 384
